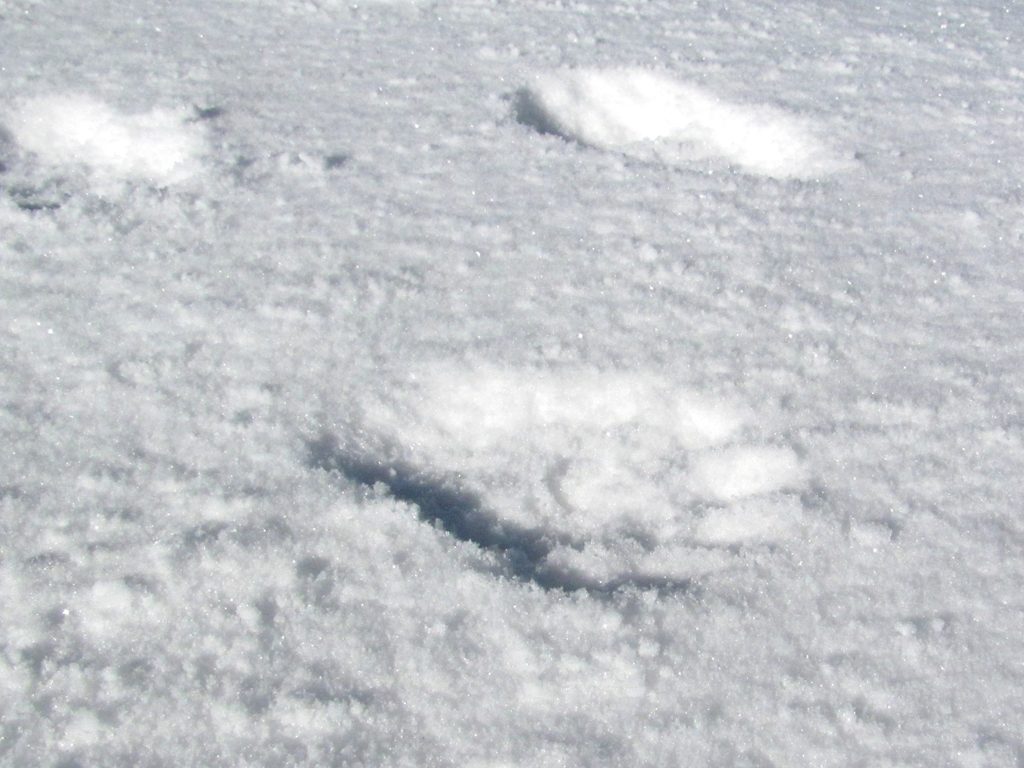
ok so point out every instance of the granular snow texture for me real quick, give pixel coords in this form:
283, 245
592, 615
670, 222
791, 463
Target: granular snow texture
471, 383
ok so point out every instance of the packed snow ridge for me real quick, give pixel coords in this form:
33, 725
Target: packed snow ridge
158, 146
652, 116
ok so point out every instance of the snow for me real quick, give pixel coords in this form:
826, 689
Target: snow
648, 114
155, 146
747, 471
486, 384
591, 461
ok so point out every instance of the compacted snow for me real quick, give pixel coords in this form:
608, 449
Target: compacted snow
511, 384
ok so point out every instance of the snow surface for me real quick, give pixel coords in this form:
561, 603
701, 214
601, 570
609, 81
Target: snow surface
469, 383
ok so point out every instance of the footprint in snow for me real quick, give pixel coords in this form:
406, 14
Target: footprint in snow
579, 479
160, 147
652, 116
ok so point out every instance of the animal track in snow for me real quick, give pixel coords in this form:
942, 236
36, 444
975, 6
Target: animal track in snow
586, 479
651, 116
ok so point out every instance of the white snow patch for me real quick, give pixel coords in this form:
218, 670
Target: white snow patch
604, 490
492, 404
704, 421
755, 521
156, 146
488, 406
748, 470
649, 114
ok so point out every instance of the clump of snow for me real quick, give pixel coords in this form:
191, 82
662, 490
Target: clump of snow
156, 146
650, 114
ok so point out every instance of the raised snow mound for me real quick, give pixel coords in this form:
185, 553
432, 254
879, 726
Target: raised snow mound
158, 146
652, 116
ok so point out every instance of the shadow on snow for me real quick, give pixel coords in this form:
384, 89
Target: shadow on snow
463, 515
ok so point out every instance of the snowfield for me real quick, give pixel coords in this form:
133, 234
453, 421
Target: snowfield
482, 384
